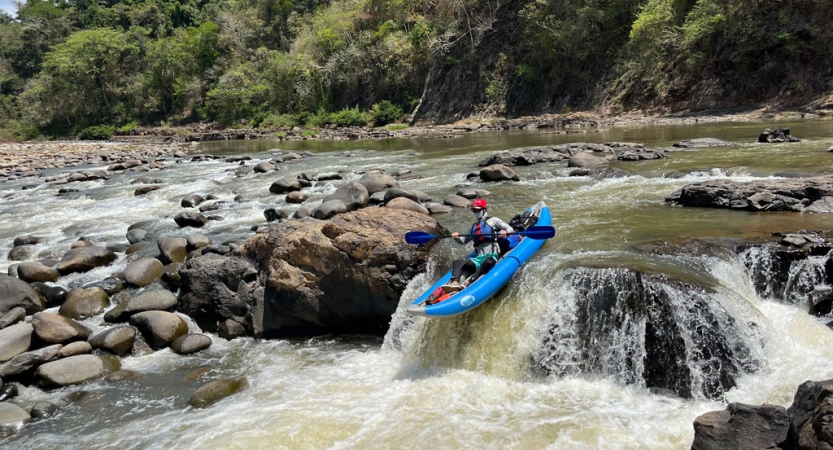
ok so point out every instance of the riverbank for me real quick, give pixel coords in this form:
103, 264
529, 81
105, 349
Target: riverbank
27, 158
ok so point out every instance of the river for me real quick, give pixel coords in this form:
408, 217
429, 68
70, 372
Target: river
465, 382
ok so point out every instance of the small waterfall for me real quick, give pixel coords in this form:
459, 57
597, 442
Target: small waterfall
795, 276
647, 330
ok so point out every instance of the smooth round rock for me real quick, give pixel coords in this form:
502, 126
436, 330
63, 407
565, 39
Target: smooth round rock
84, 259
159, 328
84, 302
11, 413
32, 271
190, 219
43, 410
118, 340
190, 343
15, 340
75, 348
172, 249
329, 209
214, 391
149, 300
14, 293
296, 197
57, 329
72, 370
143, 272
407, 204
12, 317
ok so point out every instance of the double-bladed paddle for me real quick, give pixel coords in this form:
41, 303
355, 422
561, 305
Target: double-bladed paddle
421, 237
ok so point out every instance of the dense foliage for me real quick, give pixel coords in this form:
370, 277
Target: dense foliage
68, 66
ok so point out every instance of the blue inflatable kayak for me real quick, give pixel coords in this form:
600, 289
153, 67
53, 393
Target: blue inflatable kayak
488, 284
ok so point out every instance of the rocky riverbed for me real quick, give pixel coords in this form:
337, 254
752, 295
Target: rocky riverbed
325, 256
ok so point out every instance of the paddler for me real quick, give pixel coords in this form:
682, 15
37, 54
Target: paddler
485, 234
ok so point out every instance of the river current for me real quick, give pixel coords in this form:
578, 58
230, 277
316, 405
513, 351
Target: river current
465, 382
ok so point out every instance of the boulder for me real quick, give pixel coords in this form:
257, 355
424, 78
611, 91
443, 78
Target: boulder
703, 143
172, 249
391, 194
301, 212
84, 302
84, 259
159, 328
14, 293
190, 343
742, 427
375, 182
15, 340
56, 329
438, 208
811, 423
11, 414
791, 194
143, 272
214, 391
43, 410
190, 219
196, 240
586, 160
12, 317
74, 370
32, 271
111, 285
263, 167
26, 240
21, 253
329, 209
296, 197
140, 191
285, 185
498, 172
28, 361
53, 295
75, 348
191, 201
123, 375
217, 288
456, 201
353, 195
341, 276
272, 214
136, 235
118, 340
149, 300
408, 204
781, 134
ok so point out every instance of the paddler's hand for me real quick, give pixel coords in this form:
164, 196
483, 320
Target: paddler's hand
503, 233
455, 235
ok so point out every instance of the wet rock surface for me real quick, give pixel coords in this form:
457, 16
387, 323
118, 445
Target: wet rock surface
795, 194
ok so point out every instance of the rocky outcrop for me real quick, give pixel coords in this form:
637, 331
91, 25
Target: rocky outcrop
580, 154
793, 194
806, 425
308, 277
625, 324
703, 143
781, 134
742, 427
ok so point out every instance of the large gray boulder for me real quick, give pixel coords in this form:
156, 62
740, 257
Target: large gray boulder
15, 340
456, 201
33, 271
172, 249
84, 259
74, 370
57, 329
375, 182
117, 340
586, 160
742, 427
84, 302
190, 219
190, 343
14, 293
408, 204
353, 195
329, 209
159, 328
498, 172
285, 185
29, 360
143, 272
149, 300
11, 414
214, 391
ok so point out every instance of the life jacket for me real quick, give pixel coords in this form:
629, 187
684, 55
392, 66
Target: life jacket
483, 233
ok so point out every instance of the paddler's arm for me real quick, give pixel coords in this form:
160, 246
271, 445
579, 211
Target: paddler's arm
460, 240
499, 224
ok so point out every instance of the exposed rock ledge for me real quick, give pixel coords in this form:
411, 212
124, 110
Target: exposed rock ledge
813, 194
806, 425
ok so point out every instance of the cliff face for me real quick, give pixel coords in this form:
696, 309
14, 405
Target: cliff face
469, 78
518, 60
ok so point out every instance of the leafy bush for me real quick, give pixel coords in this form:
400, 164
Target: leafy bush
273, 121
350, 118
97, 133
384, 113
128, 127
